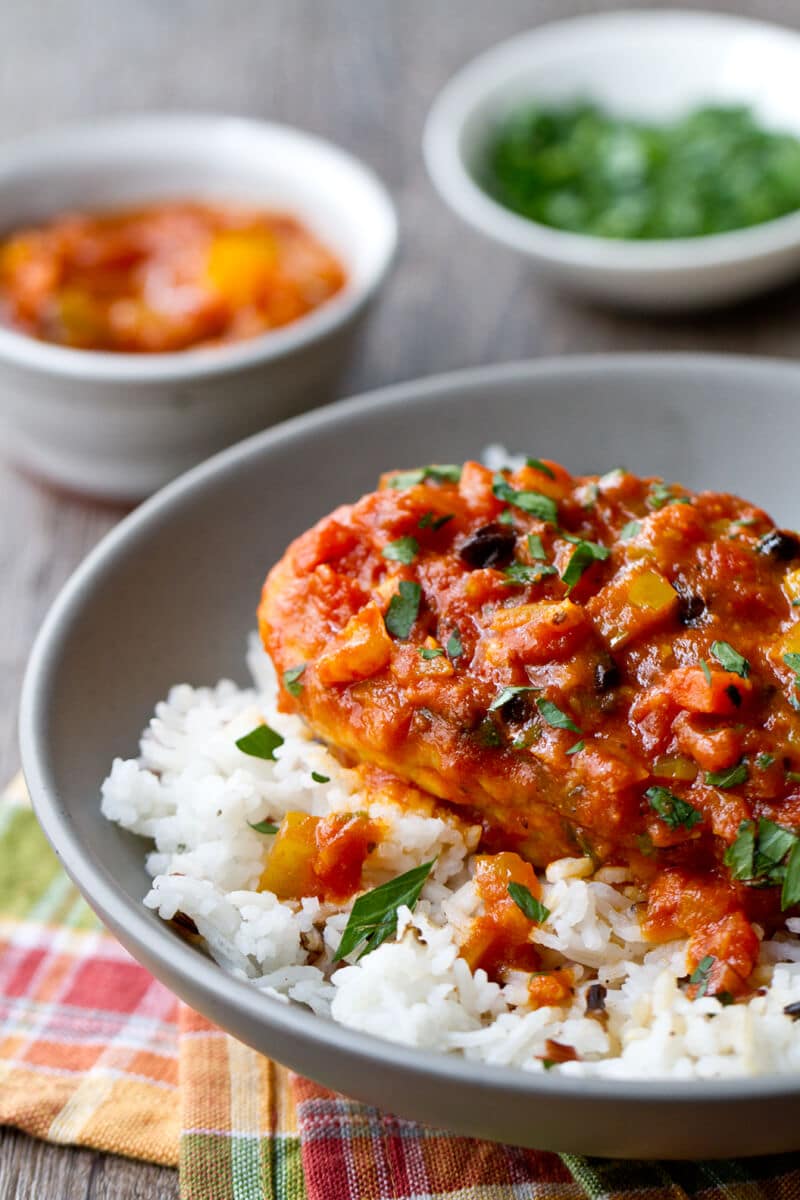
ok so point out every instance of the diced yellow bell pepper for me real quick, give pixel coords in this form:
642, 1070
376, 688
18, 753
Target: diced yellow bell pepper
240, 263
633, 603
289, 871
675, 767
652, 591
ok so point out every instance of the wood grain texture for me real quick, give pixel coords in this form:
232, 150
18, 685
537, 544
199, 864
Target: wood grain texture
362, 72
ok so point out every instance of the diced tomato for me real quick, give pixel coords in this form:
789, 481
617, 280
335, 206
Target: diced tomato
313, 856
722, 693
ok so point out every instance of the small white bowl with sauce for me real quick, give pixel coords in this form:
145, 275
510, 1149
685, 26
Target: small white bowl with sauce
649, 65
119, 425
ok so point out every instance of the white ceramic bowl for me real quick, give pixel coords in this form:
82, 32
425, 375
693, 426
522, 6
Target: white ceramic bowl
654, 65
121, 425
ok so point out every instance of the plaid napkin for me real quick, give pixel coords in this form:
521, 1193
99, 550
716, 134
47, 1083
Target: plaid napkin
95, 1052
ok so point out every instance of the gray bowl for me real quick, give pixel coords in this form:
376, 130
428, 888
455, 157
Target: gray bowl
170, 595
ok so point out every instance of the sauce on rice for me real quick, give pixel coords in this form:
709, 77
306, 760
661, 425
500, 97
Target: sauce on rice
603, 666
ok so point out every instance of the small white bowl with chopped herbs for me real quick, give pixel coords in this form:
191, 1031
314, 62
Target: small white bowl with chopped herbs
640, 75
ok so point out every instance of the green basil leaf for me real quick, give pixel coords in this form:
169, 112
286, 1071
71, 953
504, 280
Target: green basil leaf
793, 662
582, 557
553, 715
291, 680
672, 810
403, 550
429, 652
630, 530
790, 892
429, 521
535, 548
403, 609
453, 647
701, 975
660, 495
740, 855
535, 503
508, 693
774, 841
263, 827
764, 760
520, 573
730, 659
729, 778
706, 671
538, 465
261, 742
373, 917
576, 749
440, 472
527, 903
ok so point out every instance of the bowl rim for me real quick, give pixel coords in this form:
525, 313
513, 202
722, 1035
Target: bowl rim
468, 87
22, 350
152, 941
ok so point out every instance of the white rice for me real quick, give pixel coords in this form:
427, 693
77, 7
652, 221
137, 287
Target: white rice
193, 792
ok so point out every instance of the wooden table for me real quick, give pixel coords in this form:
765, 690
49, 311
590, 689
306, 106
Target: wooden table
362, 72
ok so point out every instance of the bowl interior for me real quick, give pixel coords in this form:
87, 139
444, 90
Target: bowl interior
652, 66
131, 160
170, 596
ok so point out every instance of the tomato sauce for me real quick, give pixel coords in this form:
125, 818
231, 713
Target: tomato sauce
163, 277
604, 666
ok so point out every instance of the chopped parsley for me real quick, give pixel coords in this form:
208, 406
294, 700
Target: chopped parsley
730, 659
315, 775
292, 681
701, 975
793, 663
538, 465
373, 917
263, 827
764, 760
706, 670
429, 521
576, 749
535, 503
765, 855
506, 517
454, 647
582, 557
508, 693
261, 742
527, 903
429, 652
661, 495
403, 609
553, 715
403, 550
535, 548
673, 811
518, 573
630, 530
732, 777
440, 472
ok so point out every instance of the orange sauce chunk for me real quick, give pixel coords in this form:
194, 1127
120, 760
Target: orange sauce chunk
163, 277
